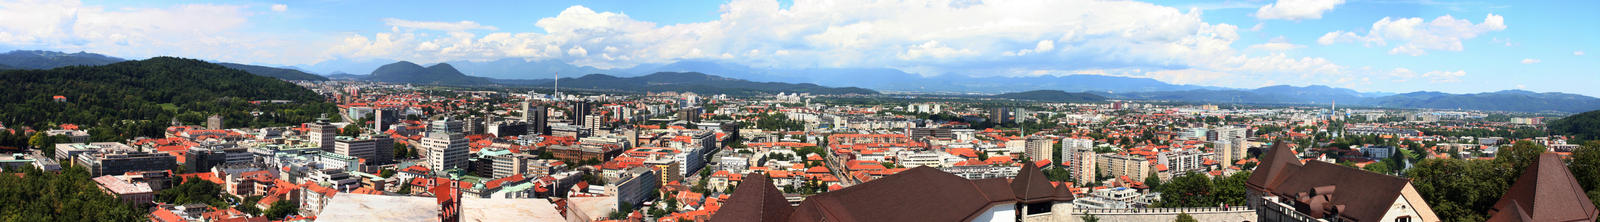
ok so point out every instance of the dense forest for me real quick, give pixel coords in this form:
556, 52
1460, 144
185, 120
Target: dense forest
34, 195
1583, 126
139, 98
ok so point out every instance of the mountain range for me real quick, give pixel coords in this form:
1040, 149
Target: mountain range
37, 59
713, 76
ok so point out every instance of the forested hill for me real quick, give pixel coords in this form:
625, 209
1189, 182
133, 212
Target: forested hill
1583, 126
140, 98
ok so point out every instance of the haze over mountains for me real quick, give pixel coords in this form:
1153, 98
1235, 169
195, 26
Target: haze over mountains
717, 77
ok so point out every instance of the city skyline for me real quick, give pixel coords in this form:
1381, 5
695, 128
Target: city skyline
1385, 46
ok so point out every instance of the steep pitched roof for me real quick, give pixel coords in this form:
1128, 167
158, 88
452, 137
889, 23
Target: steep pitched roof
918, 194
1365, 196
1276, 166
1031, 186
1545, 191
756, 199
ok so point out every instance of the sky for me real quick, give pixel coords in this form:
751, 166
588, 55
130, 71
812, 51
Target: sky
1366, 45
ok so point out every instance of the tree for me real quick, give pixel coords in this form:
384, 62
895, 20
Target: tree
352, 130
249, 205
1190, 190
1152, 181
282, 209
1519, 155
1585, 168
34, 195
1090, 218
386, 173
1461, 190
1230, 190
1183, 217
39, 139
401, 151
1379, 167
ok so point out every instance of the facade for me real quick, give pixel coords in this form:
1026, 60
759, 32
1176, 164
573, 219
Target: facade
1183, 161
322, 134
1039, 148
117, 163
377, 150
445, 151
1119, 165
214, 122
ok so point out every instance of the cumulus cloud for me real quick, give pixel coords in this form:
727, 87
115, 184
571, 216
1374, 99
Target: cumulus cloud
1415, 37
981, 38
1530, 61
439, 26
1577, 53
1277, 44
280, 7
210, 31
1297, 9
1444, 76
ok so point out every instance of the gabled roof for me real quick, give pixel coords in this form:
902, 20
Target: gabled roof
1031, 186
1365, 196
756, 199
1276, 166
1546, 191
918, 194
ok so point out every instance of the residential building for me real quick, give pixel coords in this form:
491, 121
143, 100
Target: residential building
1039, 148
132, 192
1119, 165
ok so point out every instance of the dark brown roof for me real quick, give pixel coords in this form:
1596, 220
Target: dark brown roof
918, 194
1364, 196
1275, 167
1545, 191
1031, 186
755, 200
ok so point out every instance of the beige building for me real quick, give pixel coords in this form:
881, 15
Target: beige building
1118, 165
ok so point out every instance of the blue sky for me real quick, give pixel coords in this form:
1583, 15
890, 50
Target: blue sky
1384, 45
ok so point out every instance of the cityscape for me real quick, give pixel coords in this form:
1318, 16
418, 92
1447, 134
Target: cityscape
800, 110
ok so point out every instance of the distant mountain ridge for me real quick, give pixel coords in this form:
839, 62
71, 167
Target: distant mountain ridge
39, 59
439, 74
280, 73
1052, 96
697, 82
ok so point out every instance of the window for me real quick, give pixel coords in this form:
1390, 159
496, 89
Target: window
1039, 208
1403, 219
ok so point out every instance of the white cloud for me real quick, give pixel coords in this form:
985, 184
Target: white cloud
280, 7
1530, 61
1577, 53
1416, 37
1444, 76
439, 26
983, 38
209, 31
1043, 46
1297, 9
1277, 44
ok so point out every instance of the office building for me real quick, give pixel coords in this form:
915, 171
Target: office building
322, 134
445, 151
377, 150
